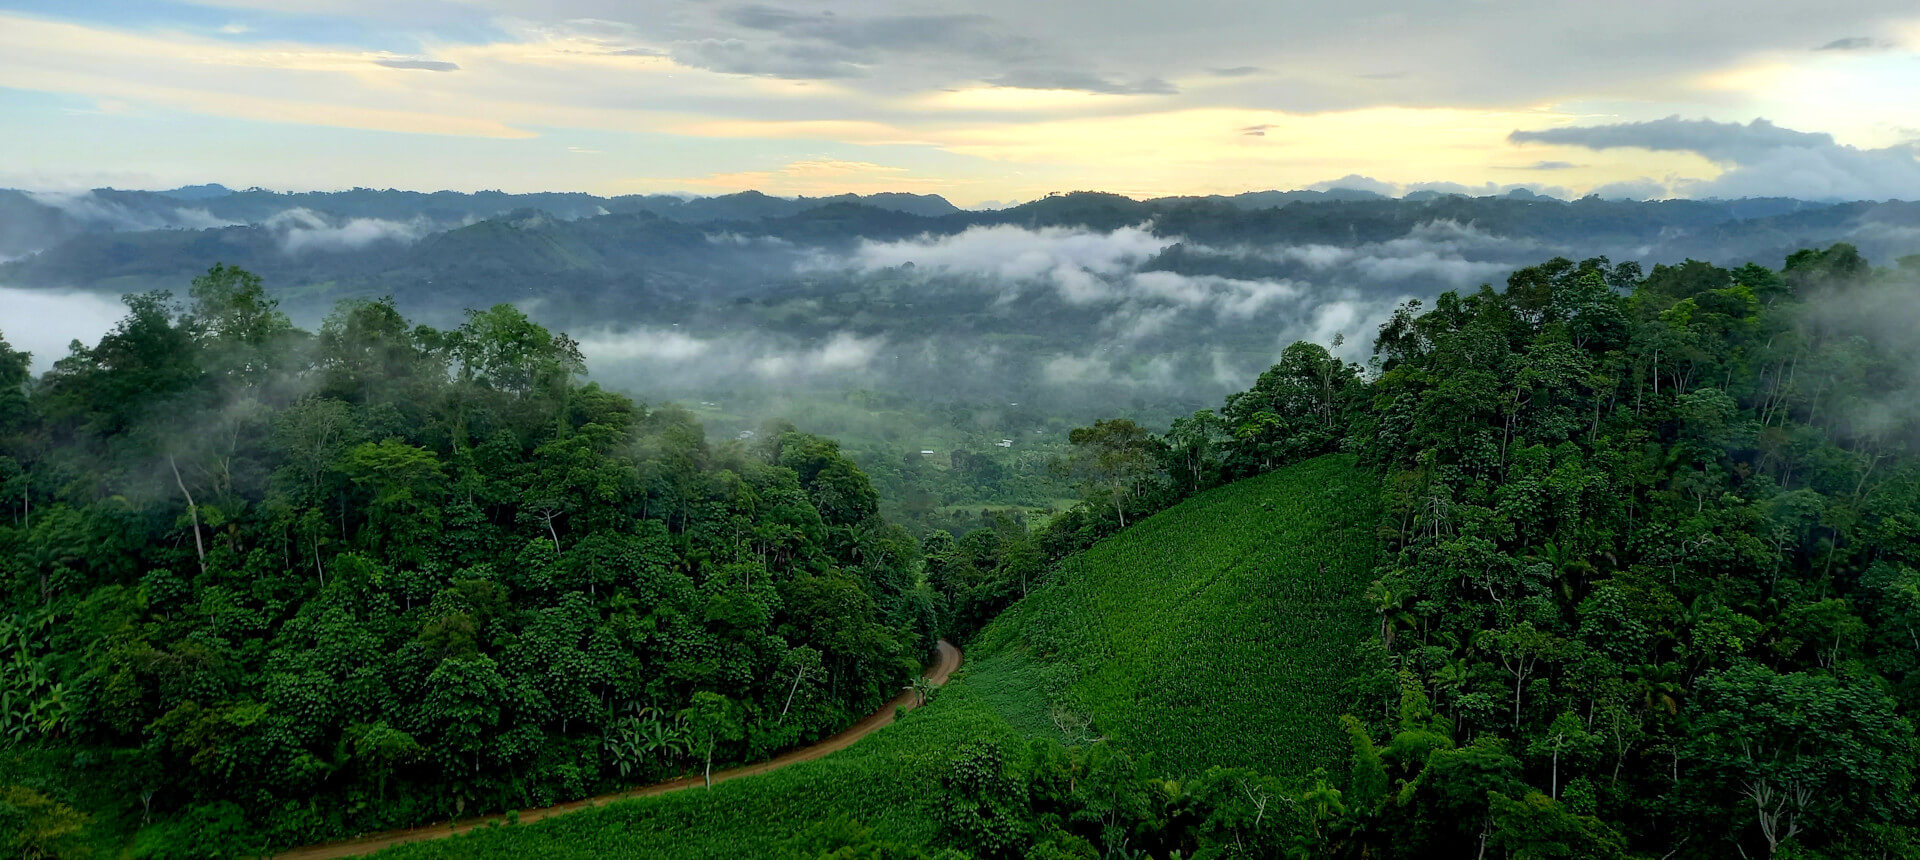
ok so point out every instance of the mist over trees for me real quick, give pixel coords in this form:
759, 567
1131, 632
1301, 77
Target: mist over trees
1081, 299
1648, 569
281, 585
1648, 574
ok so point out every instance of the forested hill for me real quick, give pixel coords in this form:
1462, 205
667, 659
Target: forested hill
1650, 576
265, 586
1647, 584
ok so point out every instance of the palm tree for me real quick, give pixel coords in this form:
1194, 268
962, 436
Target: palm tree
1390, 603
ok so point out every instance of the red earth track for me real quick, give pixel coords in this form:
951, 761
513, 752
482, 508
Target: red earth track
943, 667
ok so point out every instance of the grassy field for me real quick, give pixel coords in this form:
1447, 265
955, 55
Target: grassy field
1221, 631
1224, 631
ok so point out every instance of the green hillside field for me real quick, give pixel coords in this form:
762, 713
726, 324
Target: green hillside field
1227, 630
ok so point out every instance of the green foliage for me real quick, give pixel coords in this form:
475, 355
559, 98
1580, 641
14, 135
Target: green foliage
36, 826
1221, 632
277, 587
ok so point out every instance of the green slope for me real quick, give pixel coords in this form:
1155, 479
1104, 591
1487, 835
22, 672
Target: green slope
1226, 630
882, 782
1206, 634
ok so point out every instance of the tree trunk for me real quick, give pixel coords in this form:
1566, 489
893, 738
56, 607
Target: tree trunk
192, 512
795, 689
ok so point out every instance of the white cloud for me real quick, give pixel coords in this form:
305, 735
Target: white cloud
93, 208
44, 322
723, 359
1074, 260
1759, 159
302, 229
646, 344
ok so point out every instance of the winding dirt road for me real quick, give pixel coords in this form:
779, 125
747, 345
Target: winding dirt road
943, 667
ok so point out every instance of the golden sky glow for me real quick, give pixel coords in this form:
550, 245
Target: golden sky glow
993, 101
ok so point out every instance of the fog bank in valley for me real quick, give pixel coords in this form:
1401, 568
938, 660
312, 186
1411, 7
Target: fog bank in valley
44, 322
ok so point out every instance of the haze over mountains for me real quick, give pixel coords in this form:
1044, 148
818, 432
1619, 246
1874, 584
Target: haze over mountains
1085, 295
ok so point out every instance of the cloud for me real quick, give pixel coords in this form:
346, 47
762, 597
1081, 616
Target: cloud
416, 64
1853, 43
1357, 89
814, 177
931, 50
692, 361
301, 230
1719, 141
1632, 189
103, 212
741, 57
645, 344
1238, 298
1351, 320
1356, 182
1076, 261
1068, 79
1490, 189
1101, 367
843, 353
44, 322
1433, 255
1760, 159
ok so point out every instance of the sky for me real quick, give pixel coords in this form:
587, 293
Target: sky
983, 101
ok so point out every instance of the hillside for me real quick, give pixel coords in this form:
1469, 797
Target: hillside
1118, 635
1223, 631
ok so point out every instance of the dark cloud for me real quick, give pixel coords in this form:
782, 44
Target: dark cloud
1278, 56
970, 34
1066, 79
1545, 165
1852, 43
797, 60
418, 65
790, 43
1719, 141
1257, 130
1762, 159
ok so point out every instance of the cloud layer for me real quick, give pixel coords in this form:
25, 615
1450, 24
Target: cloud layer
301, 230
980, 99
44, 322
1759, 159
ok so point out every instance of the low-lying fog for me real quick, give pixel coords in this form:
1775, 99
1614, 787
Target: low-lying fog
44, 322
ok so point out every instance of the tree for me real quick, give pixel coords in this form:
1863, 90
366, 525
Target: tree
37, 826
463, 708
712, 720
15, 374
241, 325
1114, 458
1194, 443
1804, 753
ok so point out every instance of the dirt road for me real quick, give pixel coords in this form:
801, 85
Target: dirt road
948, 661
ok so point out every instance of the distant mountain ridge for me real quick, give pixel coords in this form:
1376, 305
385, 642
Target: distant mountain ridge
496, 246
35, 221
